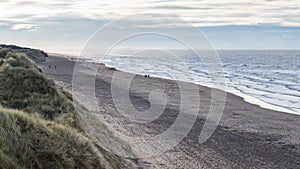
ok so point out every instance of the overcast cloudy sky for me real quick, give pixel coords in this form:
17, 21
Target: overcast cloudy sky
230, 24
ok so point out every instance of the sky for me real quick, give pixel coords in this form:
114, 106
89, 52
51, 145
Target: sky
66, 26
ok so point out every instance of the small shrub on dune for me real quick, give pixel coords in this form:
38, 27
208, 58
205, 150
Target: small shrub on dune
3, 52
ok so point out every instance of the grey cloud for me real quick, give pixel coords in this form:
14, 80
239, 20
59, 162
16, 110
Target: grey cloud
182, 7
25, 3
229, 12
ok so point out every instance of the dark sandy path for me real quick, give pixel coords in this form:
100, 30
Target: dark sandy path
248, 136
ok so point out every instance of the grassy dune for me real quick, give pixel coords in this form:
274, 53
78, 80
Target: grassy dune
31, 142
33, 54
38, 124
24, 87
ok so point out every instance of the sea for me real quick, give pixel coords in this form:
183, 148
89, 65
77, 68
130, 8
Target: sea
268, 78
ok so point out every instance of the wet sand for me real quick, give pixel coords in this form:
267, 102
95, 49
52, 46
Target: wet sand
248, 136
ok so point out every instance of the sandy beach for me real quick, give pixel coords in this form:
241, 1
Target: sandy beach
248, 136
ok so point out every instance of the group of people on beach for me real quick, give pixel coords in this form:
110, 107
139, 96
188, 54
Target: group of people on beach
51, 66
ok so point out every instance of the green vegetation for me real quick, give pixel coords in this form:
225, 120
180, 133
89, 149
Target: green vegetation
33, 54
29, 142
38, 124
24, 87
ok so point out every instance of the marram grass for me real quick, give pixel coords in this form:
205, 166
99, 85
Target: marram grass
38, 124
23, 86
29, 142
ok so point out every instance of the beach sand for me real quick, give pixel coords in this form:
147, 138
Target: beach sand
248, 136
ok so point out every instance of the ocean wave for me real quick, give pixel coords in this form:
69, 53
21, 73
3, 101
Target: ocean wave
266, 78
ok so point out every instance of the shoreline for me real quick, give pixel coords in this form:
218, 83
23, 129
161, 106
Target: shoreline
245, 97
247, 136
